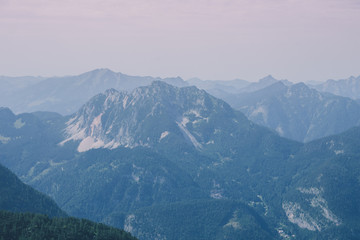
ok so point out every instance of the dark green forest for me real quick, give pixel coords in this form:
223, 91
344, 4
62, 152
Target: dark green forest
30, 226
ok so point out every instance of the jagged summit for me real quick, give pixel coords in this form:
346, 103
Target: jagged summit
149, 115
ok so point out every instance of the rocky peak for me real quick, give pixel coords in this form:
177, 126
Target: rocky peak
146, 117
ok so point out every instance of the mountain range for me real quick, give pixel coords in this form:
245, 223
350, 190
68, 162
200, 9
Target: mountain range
164, 162
65, 95
349, 87
297, 111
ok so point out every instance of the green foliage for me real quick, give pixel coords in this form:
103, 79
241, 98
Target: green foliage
16, 226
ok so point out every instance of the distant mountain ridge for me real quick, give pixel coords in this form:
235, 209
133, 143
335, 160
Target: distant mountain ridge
263, 83
232, 86
228, 89
297, 111
67, 94
349, 87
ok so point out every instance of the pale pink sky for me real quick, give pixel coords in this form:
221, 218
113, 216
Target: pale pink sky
299, 40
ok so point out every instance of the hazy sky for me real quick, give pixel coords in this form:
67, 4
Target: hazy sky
299, 40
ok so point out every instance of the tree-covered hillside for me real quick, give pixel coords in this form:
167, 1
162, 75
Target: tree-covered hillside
19, 197
21, 226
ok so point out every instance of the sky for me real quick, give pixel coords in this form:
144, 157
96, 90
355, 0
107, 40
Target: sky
298, 40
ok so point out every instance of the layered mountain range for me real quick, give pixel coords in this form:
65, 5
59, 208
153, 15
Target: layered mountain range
65, 95
164, 162
299, 112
